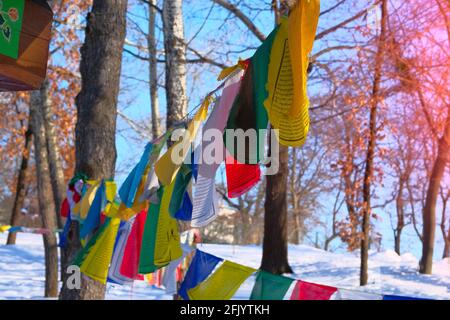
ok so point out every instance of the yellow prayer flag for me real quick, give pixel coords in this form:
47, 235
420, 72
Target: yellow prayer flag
223, 283
227, 71
4, 228
302, 22
287, 103
165, 168
88, 197
97, 261
167, 242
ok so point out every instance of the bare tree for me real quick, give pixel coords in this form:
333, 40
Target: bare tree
20, 194
45, 195
368, 175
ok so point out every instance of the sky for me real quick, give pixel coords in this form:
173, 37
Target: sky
134, 98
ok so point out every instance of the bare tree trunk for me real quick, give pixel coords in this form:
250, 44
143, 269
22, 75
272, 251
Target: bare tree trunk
400, 217
368, 175
175, 49
275, 249
45, 194
97, 112
153, 69
56, 171
446, 253
429, 211
275, 241
21, 189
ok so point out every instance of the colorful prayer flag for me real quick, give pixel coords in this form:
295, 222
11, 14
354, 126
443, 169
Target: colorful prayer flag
269, 286
312, 291
223, 283
200, 268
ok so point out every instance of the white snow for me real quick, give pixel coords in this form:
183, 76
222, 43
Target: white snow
22, 271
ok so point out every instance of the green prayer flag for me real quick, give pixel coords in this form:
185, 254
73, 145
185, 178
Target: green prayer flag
269, 286
248, 111
181, 183
81, 256
147, 255
11, 15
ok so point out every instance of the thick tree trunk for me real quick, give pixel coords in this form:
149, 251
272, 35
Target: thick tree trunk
275, 241
45, 195
429, 211
97, 112
275, 249
175, 49
368, 175
153, 70
21, 189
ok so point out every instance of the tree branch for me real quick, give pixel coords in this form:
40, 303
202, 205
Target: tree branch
241, 16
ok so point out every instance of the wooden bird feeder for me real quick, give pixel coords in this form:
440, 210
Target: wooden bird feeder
25, 33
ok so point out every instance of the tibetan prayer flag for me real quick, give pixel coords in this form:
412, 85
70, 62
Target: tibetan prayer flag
182, 181
217, 121
312, 291
344, 294
270, 286
114, 274
151, 185
287, 104
90, 190
248, 111
166, 168
4, 228
185, 212
205, 207
200, 268
240, 177
223, 283
169, 279
96, 263
130, 262
91, 244
65, 209
92, 220
167, 241
147, 257
129, 188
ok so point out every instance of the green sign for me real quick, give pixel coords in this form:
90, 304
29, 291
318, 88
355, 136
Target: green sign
11, 14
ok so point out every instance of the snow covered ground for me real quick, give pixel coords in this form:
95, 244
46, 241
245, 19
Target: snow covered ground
22, 271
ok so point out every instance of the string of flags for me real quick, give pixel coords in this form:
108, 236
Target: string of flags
131, 233
213, 278
8, 228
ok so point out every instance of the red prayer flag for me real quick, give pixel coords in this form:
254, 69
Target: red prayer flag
65, 208
130, 261
312, 291
240, 177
